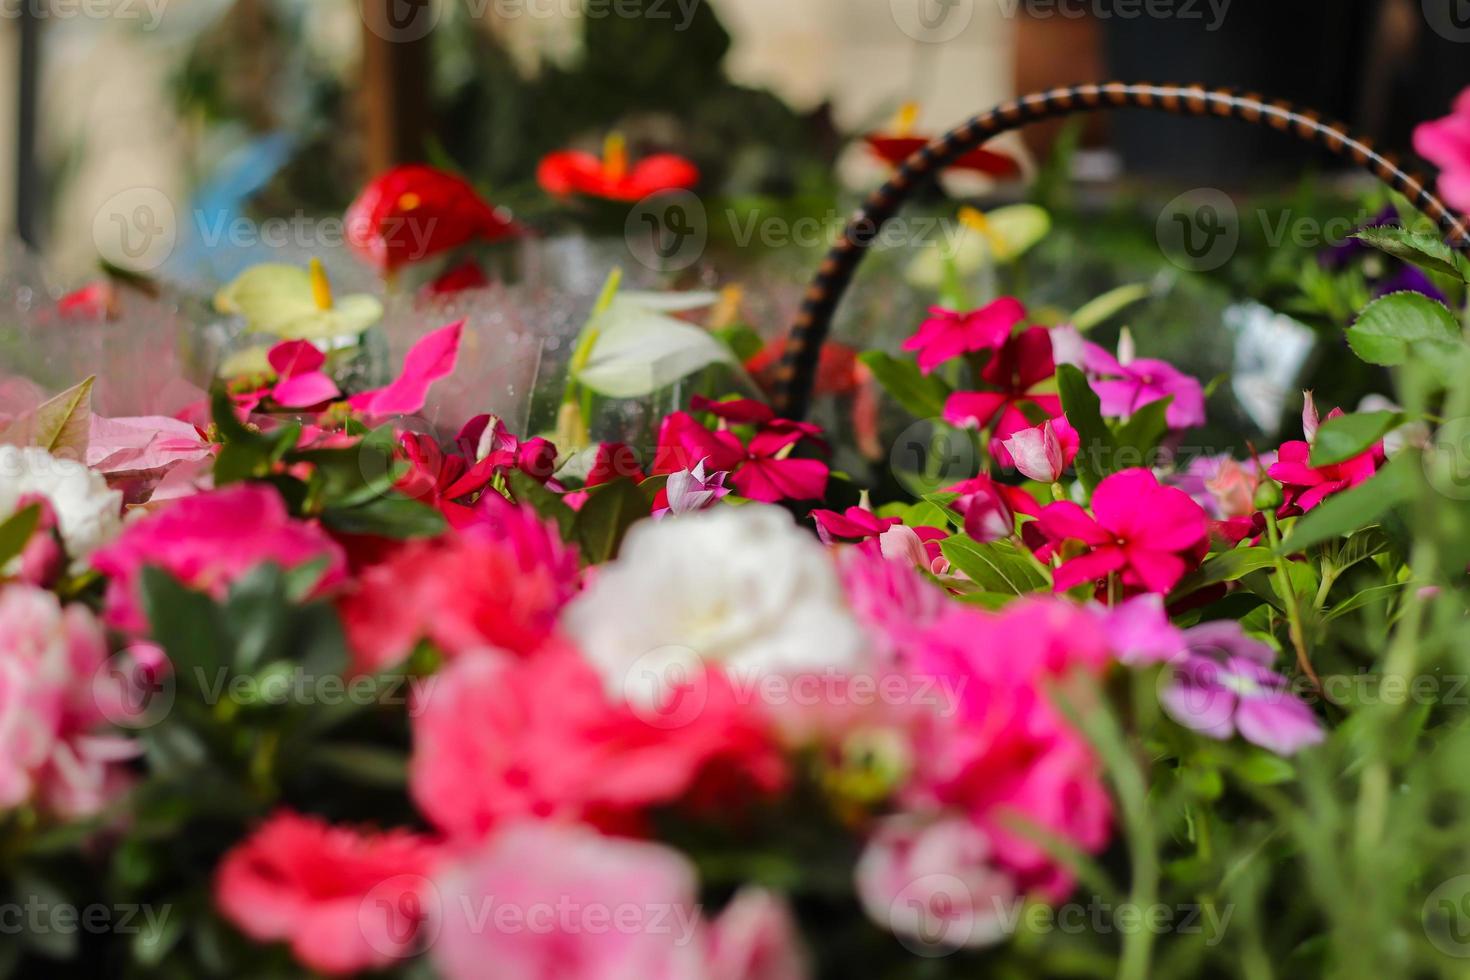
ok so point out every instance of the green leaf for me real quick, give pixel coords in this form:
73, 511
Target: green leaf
1380, 593
390, 516
1425, 251
1143, 431
1355, 509
548, 503
922, 396
1347, 436
190, 628
1387, 327
16, 531
1227, 567
605, 518
1108, 305
60, 425
998, 567
1264, 769
1098, 452
255, 614
367, 765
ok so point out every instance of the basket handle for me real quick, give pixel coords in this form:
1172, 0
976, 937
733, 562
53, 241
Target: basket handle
797, 370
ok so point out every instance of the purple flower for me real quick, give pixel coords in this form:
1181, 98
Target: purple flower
691, 490
1125, 384
1139, 632
1223, 684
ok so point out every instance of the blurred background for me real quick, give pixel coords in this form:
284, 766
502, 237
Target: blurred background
288, 106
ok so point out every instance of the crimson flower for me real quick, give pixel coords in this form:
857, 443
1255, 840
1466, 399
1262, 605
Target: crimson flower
855, 522
1023, 362
567, 173
1304, 485
947, 334
1150, 534
415, 212
452, 481
896, 147
761, 469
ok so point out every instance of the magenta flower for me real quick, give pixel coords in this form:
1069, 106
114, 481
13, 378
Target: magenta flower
1125, 384
430, 359
301, 382
762, 469
1021, 364
1305, 486
1446, 143
1149, 534
1223, 684
947, 334
856, 523
988, 513
199, 541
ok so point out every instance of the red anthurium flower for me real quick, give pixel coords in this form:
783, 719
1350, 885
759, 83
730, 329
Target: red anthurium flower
415, 212
95, 302
896, 147
1305, 486
1151, 535
948, 334
572, 172
1023, 362
761, 470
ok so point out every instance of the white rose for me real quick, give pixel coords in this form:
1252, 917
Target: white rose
88, 512
739, 587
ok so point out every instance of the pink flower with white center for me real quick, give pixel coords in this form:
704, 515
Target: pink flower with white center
1043, 452
691, 490
948, 334
1125, 383
1150, 535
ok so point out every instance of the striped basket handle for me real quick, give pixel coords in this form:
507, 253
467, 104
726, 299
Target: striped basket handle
799, 363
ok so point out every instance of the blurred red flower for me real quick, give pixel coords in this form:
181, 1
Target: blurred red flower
415, 212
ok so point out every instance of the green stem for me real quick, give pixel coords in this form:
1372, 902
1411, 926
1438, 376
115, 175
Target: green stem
1287, 591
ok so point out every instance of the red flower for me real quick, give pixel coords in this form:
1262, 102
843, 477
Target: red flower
96, 301
1305, 486
464, 277
451, 481
414, 212
761, 470
346, 900
1149, 533
571, 172
948, 334
895, 148
855, 522
1022, 363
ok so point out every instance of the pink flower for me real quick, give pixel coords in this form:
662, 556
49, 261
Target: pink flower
300, 380
43, 559
548, 902
948, 334
1043, 452
491, 747
997, 750
1305, 486
207, 541
690, 490
499, 583
1139, 632
987, 511
890, 598
346, 900
762, 469
55, 705
935, 883
856, 523
1149, 534
1016, 370
1124, 384
755, 938
427, 361
1446, 143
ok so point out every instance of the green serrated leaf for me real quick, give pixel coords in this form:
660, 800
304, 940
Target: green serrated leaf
1422, 250
922, 396
1388, 327
1355, 509
1347, 436
998, 567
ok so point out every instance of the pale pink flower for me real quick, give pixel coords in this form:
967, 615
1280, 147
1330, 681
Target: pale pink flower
1038, 453
755, 938
691, 490
935, 883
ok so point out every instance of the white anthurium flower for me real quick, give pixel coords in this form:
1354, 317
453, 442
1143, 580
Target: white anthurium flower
739, 588
637, 348
88, 512
979, 239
